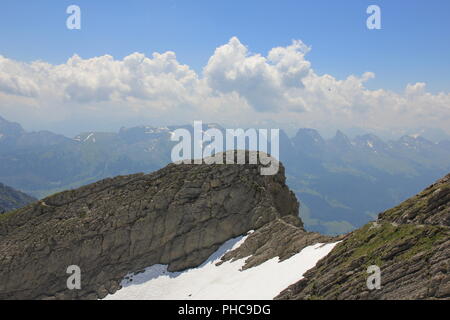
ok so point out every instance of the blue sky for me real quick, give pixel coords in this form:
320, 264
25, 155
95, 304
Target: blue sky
412, 46
237, 63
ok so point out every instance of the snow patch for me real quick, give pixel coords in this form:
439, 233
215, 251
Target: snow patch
224, 282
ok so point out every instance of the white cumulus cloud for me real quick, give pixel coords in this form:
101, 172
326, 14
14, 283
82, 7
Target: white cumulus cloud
236, 87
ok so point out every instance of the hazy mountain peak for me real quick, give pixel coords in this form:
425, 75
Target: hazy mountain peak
8, 128
308, 141
340, 139
309, 132
414, 141
371, 141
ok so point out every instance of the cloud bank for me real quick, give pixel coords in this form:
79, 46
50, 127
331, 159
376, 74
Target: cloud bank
235, 88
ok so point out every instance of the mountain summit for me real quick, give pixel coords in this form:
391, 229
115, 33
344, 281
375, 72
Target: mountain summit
177, 216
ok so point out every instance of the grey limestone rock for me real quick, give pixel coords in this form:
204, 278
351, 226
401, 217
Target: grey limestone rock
178, 216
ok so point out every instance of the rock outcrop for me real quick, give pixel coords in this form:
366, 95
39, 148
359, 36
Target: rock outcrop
409, 243
11, 199
178, 216
282, 238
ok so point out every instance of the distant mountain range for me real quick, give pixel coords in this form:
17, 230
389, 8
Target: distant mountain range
342, 183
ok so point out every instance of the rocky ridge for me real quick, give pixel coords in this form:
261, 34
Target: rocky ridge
177, 216
409, 243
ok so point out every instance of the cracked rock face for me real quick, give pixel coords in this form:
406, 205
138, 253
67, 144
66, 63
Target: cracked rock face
409, 243
178, 216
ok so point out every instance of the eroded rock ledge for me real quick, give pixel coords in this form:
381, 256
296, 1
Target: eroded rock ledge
178, 216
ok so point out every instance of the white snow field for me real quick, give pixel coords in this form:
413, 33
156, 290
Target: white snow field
224, 282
